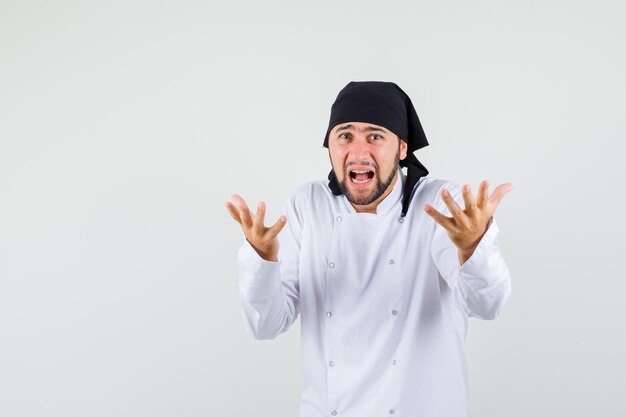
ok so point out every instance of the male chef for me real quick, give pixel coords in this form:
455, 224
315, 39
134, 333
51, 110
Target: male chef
383, 267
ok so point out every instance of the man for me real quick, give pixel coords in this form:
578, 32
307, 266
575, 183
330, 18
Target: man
383, 291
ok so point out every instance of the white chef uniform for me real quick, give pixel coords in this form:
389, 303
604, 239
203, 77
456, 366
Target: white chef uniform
383, 301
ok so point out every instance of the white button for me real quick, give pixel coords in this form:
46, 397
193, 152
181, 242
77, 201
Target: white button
394, 312
392, 411
333, 413
331, 363
393, 362
331, 265
391, 262
329, 313
401, 220
339, 219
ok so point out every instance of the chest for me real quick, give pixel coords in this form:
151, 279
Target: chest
362, 258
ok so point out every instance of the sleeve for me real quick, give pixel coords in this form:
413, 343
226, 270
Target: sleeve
482, 285
269, 291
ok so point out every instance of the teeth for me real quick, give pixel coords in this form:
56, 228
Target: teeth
360, 172
360, 181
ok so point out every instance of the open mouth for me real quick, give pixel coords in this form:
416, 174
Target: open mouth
361, 176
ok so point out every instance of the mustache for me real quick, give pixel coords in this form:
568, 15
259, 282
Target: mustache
368, 164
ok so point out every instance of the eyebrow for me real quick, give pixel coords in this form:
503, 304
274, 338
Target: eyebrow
366, 129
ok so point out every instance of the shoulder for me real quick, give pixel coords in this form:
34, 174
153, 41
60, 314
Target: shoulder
431, 185
428, 190
312, 190
307, 203
309, 194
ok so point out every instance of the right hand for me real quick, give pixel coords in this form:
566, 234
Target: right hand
263, 239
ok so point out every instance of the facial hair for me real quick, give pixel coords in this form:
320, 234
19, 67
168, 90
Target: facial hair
381, 185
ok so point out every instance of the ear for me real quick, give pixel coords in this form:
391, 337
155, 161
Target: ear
403, 149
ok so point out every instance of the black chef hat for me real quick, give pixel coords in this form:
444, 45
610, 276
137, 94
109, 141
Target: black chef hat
385, 104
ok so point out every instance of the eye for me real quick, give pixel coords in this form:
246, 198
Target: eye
376, 137
341, 136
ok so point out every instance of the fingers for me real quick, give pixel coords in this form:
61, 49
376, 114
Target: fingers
239, 211
483, 189
470, 202
444, 221
259, 217
498, 194
233, 211
244, 211
278, 226
454, 208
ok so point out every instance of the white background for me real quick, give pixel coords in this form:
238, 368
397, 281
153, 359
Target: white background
125, 126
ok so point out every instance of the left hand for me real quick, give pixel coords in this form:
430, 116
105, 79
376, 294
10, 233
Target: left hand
468, 226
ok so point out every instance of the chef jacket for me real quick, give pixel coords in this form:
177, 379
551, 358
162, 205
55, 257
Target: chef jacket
383, 301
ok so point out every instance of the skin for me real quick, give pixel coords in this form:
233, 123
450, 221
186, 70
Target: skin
366, 146
467, 226
357, 145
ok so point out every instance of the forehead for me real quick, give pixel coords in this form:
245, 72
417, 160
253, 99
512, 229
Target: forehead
359, 127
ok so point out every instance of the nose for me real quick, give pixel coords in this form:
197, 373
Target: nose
359, 150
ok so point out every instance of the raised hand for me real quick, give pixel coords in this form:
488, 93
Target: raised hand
467, 226
263, 239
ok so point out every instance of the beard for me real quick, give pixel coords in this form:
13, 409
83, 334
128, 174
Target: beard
381, 184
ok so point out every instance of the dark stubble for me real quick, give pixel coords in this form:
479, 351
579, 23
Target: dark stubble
381, 185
